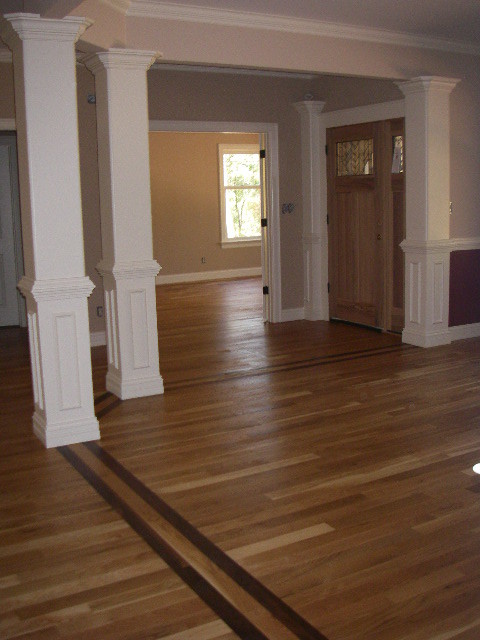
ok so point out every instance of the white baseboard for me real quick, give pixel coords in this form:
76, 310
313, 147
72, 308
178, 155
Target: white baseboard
202, 276
288, 315
464, 331
134, 388
426, 340
98, 338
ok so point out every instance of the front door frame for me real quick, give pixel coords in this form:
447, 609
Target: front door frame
270, 130
357, 115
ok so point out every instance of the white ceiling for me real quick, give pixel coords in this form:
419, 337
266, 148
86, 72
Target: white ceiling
455, 20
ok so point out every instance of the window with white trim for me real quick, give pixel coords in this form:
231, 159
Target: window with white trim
240, 194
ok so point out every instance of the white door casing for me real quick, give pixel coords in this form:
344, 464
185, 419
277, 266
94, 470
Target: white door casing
271, 270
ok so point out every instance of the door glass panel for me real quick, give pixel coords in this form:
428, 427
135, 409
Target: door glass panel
355, 157
397, 158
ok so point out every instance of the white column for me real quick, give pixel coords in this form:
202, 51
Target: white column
127, 265
427, 246
54, 284
315, 230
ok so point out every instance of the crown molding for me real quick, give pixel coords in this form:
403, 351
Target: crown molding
227, 17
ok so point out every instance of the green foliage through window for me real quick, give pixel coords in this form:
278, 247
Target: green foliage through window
241, 194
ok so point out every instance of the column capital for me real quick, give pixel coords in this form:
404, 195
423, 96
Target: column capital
30, 26
128, 270
311, 107
121, 59
56, 289
423, 84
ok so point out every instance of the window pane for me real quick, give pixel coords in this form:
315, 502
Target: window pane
397, 160
242, 213
241, 169
355, 157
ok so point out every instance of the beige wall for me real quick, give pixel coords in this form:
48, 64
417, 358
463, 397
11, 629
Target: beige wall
186, 205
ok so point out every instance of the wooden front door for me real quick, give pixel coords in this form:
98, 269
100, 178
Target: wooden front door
365, 261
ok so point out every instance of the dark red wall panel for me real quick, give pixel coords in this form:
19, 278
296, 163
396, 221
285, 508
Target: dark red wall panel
464, 287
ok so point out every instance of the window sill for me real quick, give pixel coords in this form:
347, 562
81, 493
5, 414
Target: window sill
236, 244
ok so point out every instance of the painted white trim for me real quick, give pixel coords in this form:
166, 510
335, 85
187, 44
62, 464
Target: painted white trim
98, 338
465, 244
265, 73
8, 124
271, 134
367, 113
426, 340
241, 244
315, 230
204, 276
288, 315
290, 24
465, 331
66, 432
134, 387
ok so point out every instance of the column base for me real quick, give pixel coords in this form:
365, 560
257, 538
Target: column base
60, 360
61, 434
427, 276
134, 388
132, 339
426, 340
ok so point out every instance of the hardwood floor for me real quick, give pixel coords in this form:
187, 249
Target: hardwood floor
303, 480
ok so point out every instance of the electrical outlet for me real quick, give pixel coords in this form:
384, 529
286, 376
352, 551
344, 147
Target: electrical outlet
100, 312
204, 260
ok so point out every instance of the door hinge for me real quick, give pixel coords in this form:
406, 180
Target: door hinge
264, 222
265, 291
328, 219
326, 149
328, 287
262, 153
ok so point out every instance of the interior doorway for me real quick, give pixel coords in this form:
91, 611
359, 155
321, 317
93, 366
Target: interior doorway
366, 204
267, 137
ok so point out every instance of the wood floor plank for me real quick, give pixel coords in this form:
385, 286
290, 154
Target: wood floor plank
383, 436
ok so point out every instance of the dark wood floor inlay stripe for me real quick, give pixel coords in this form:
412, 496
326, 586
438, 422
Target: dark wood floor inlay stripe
277, 607
220, 605
290, 366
